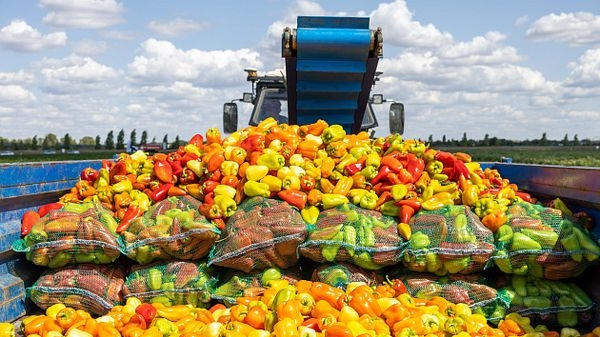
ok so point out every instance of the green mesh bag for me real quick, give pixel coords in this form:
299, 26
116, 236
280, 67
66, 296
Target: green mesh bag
76, 233
171, 282
93, 288
262, 233
554, 303
340, 274
542, 242
470, 289
171, 229
348, 233
448, 240
234, 283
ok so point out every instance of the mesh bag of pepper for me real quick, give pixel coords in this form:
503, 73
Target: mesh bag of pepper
471, 289
543, 242
554, 303
171, 282
340, 274
93, 288
448, 240
234, 283
75, 233
262, 233
171, 229
349, 233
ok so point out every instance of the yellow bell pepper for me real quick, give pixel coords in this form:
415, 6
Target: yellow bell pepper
274, 161
256, 172
273, 182
255, 188
291, 182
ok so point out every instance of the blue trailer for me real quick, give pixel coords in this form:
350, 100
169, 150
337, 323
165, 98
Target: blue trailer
26, 186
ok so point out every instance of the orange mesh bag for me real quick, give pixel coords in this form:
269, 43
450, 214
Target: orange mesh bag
262, 233
543, 242
93, 288
76, 233
448, 240
170, 229
348, 233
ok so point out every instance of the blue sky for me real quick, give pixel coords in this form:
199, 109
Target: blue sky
507, 69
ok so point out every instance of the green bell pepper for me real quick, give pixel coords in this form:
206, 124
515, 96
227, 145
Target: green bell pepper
419, 240
570, 243
591, 248
333, 133
154, 279
568, 316
546, 238
521, 241
350, 239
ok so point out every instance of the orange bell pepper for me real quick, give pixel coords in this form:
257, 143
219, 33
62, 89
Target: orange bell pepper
363, 300
323, 291
308, 148
315, 129
323, 308
290, 309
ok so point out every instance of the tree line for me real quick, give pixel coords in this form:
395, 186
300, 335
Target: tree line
52, 142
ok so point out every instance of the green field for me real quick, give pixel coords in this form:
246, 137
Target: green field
550, 155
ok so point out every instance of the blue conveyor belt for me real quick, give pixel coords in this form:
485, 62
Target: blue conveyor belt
331, 73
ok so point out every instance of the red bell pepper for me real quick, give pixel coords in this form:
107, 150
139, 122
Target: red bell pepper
197, 140
381, 175
163, 171
209, 186
459, 169
307, 182
119, 168
295, 198
89, 174
415, 166
352, 169
131, 213
161, 193
187, 176
254, 142
45, 209
176, 168
147, 311
28, 220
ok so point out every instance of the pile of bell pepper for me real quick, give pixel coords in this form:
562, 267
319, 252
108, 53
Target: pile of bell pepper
306, 309
314, 167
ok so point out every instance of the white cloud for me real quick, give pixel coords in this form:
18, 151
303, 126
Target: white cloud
399, 29
89, 14
90, 47
175, 27
486, 49
161, 63
586, 71
19, 77
15, 95
575, 29
75, 74
21, 37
